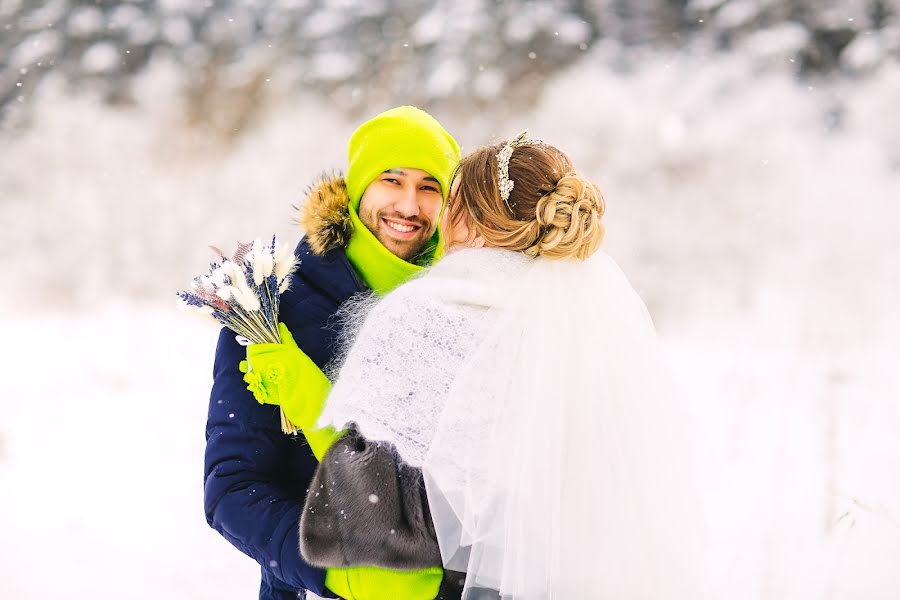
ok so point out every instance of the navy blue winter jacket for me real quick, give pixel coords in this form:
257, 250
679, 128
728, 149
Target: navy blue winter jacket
256, 476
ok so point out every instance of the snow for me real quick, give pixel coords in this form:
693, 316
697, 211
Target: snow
101, 469
323, 24
758, 220
40, 46
573, 31
100, 58
520, 40
705, 4
175, 6
332, 66
178, 31
429, 28
445, 78
842, 14
737, 13
489, 84
781, 41
86, 22
522, 26
864, 53
44, 16
141, 30
9, 7
122, 16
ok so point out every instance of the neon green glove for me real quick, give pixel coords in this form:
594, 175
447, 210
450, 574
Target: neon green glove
374, 583
282, 374
320, 440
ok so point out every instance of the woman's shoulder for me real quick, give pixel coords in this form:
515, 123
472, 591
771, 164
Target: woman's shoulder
477, 278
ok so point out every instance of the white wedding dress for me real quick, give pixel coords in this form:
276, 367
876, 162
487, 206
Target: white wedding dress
530, 393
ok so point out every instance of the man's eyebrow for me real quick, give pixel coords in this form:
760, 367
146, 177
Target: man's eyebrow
403, 173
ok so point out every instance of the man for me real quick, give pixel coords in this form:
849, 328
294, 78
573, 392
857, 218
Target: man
371, 231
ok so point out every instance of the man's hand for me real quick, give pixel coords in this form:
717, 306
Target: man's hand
284, 375
373, 583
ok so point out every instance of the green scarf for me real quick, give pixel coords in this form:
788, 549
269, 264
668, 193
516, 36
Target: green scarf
380, 268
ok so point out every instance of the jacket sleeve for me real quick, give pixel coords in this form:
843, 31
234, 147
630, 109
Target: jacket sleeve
252, 493
365, 507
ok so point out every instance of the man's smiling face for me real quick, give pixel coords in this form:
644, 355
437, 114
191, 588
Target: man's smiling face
401, 208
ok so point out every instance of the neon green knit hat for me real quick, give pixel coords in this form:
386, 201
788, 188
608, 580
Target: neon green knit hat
401, 137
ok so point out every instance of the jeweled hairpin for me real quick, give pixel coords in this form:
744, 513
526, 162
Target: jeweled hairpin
506, 184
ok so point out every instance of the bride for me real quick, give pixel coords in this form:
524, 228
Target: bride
505, 416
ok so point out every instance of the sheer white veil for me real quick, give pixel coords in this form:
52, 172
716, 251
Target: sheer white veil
554, 453
560, 467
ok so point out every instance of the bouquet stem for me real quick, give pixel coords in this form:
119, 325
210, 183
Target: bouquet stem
286, 425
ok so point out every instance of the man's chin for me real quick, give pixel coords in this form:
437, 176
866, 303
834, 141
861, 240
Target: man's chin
405, 250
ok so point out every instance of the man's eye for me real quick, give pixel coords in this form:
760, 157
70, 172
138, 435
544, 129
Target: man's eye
390, 180
430, 188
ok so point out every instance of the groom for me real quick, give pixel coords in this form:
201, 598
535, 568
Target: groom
370, 231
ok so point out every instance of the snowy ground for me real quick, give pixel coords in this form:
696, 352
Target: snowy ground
101, 466
761, 233
101, 460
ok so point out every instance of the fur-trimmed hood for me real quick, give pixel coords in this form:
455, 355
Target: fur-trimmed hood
325, 214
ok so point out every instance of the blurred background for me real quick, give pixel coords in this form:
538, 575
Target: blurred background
749, 151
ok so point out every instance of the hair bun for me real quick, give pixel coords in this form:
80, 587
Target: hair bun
569, 220
551, 211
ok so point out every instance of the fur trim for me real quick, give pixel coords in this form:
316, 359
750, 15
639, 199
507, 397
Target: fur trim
325, 214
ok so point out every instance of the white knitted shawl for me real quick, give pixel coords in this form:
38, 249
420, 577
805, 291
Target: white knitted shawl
394, 381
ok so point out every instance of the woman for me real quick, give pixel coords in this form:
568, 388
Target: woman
519, 379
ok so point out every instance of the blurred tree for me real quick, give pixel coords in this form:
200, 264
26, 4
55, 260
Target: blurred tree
232, 53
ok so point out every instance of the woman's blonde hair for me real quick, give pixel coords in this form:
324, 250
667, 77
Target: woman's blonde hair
551, 212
